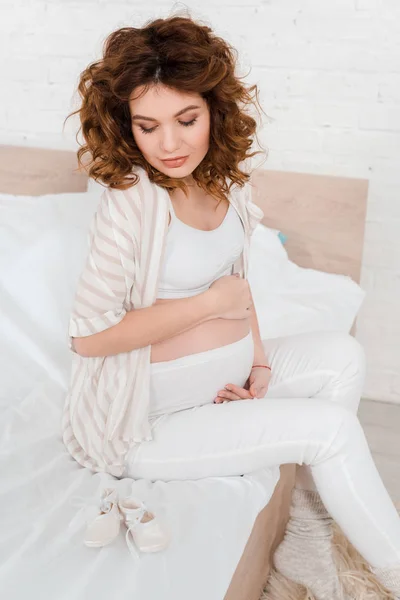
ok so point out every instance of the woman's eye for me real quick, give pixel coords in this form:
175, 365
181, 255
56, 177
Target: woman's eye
184, 123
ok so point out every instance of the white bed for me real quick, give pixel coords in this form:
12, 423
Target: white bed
44, 491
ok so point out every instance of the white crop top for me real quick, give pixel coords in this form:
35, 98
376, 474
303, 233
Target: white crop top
194, 259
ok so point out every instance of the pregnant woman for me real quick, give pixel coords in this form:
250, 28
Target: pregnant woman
169, 371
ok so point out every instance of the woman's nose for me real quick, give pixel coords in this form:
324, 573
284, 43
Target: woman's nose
170, 142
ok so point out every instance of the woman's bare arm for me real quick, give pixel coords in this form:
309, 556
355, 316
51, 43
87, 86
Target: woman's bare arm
146, 326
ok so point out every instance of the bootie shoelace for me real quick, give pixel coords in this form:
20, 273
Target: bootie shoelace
131, 522
105, 505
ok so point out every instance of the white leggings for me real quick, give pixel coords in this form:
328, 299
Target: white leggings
308, 417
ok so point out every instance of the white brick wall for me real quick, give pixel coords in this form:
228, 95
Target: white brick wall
329, 77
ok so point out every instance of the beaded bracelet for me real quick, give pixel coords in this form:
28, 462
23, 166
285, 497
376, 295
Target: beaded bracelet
265, 366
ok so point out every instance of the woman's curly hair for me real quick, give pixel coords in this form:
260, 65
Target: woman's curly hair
181, 54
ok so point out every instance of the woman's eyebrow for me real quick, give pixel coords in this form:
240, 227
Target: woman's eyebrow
177, 114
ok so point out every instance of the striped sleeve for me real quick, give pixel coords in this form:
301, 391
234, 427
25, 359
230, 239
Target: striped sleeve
103, 289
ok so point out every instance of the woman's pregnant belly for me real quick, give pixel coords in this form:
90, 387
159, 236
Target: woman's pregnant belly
205, 336
194, 380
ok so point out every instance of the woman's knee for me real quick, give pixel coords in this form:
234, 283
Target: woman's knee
335, 350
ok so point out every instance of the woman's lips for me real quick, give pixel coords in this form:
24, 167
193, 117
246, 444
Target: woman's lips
176, 162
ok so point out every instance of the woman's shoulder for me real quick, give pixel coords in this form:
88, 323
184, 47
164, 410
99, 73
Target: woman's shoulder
124, 200
243, 195
139, 203
119, 210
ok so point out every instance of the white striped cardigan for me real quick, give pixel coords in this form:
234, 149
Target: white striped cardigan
107, 404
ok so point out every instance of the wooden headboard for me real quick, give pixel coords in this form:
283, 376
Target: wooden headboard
322, 216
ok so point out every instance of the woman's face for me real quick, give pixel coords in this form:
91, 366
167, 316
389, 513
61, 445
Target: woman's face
169, 134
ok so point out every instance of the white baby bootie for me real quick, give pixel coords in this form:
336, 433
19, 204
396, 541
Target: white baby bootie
105, 526
143, 526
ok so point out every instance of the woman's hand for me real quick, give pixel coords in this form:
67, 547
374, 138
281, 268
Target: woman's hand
256, 386
230, 297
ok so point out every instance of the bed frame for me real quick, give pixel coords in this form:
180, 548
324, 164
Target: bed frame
323, 218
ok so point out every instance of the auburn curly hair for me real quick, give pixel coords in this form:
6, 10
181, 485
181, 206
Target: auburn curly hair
186, 56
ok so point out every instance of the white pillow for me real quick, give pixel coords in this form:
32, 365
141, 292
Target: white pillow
291, 299
43, 246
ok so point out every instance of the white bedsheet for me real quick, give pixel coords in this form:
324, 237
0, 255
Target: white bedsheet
41, 551
42, 247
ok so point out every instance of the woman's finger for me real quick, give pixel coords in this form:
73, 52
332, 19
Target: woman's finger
223, 396
232, 392
238, 391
